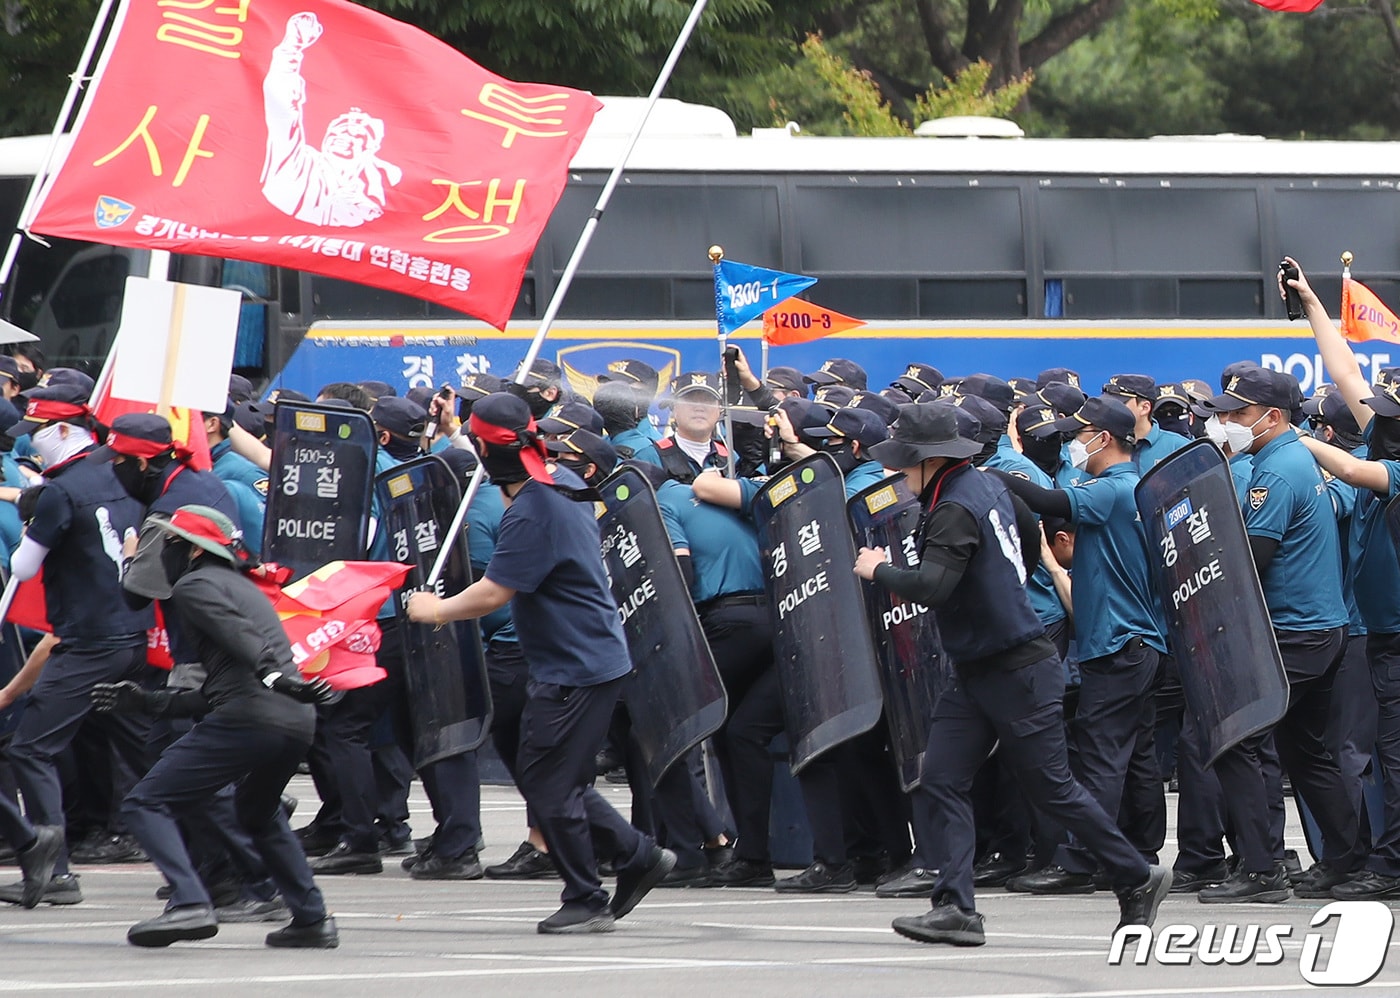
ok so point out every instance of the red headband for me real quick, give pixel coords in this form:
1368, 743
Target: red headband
136, 446
48, 411
532, 451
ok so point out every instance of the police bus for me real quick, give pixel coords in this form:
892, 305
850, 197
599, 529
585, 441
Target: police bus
972, 254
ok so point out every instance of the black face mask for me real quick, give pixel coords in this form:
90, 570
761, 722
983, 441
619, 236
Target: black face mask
578, 468
175, 559
539, 405
504, 466
1044, 452
985, 454
7, 443
401, 448
844, 456
27, 380
1384, 444
1176, 424
143, 486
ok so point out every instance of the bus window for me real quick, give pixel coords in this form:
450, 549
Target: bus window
255, 282
1212, 299
989, 299
77, 321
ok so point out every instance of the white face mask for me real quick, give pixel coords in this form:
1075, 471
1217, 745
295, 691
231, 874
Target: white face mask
1241, 437
1079, 454
53, 447
1215, 431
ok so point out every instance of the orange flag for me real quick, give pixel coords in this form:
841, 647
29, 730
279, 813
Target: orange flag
1364, 316
798, 321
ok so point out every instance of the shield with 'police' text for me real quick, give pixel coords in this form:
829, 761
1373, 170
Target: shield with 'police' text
676, 698
449, 698
913, 667
827, 668
1217, 621
318, 496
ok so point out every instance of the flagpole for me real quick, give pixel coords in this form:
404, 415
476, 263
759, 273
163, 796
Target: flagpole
575, 258
1346, 265
75, 86
716, 255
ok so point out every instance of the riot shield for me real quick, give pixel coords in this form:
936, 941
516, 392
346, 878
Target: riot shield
676, 698
449, 699
1217, 622
913, 667
318, 497
827, 668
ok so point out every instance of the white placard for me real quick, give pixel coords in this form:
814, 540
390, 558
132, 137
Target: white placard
175, 344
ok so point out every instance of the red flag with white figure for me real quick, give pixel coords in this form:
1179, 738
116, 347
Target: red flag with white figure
322, 136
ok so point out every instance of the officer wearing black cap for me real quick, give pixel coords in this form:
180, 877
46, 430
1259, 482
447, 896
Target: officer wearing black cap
976, 547
990, 389
641, 376
1172, 411
886, 408
839, 371
9, 377
1293, 537
256, 723
75, 536
1152, 443
1372, 566
240, 389
623, 408
917, 379
850, 434
570, 416
696, 409
585, 454
547, 566
544, 387
833, 397
785, 382
1057, 375
1118, 627
1041, 442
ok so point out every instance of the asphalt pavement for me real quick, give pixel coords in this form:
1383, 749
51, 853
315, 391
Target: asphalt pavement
401, 937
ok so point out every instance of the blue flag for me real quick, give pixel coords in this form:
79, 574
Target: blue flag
743, 292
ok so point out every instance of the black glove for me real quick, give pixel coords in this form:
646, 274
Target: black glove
28, 500
121, 698
300, 690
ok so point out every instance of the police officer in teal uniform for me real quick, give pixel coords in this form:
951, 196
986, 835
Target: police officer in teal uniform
1151, 443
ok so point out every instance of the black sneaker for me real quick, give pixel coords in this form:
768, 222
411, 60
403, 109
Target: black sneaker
526, 863
1256, 888
434, 867
577, 919
1052, 880
317, 935
869, 869
636, 881
61, 890
687, 876
1189, 882
315, 840
743, 873
396, 846
188, 921
343, 860
819, 879
1293, 866
944, 923
1138, 905
916, 883
253, 910
1319, 881
996, 869
112, 849
1368, 886
36, 862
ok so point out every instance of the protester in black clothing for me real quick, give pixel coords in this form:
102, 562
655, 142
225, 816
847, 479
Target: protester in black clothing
255, 725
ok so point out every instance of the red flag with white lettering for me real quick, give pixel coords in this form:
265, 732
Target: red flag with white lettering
321, 136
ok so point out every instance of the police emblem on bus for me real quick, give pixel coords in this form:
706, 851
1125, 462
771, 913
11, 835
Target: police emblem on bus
111, 212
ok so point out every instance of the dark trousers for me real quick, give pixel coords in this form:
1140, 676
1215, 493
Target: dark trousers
1383, 653
342, 766
1114, 760
1022, 710
561, 730
508, 673
1200, 805
875, 810
58, 704
219, 751
1311, 659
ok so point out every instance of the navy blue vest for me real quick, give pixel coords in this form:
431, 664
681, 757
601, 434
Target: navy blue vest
989, 611
185, 486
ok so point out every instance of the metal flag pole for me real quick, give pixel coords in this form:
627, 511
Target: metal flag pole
581, 247
716, 255
75, 86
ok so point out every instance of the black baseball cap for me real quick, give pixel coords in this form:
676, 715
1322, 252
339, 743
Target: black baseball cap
572, 416
543, 372
1329, 408
587, 445
1063, 397
1133, 386
478, 386
860, 425
993, 420
634, 372
1057, 376
399, 416
1387, 401
788, 379
254, 416
1037, 419
696, 381
990, 388
839, 370
1102, 412
834, 396
1172, 394
880, 404
8, 368
1256, 386
240, 389
1023, 387
917, 379
379, 389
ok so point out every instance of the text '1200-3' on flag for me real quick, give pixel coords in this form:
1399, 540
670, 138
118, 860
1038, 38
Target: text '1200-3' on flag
321, 136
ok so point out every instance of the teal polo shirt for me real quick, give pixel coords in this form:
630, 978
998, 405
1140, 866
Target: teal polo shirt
1114, 601
723, 545
1156, 447
1287, 502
